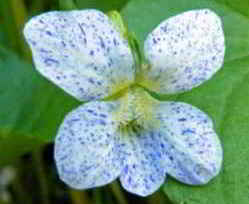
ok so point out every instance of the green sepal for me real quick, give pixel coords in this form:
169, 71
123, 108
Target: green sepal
135, 48
118, 22
120, 25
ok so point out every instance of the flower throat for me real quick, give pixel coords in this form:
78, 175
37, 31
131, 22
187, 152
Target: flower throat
136, 110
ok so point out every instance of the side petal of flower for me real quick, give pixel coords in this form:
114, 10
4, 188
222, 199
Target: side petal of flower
184, 51
81, 52
85, 152
143, 171
192, 150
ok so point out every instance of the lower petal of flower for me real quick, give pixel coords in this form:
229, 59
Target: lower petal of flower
85, 147
143, 169
192, 150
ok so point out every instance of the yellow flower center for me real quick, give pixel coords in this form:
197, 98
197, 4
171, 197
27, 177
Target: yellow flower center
135, 110
136, 105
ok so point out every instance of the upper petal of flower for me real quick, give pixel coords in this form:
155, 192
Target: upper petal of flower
85, 147
184, 51
192, 150
81, 52
143, 170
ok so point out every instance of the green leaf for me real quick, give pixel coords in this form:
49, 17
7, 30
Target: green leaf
67, 5
238, 5
103, 5
225, 97
31, 107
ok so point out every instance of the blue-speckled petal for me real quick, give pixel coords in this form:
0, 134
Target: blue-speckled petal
85, 152
81, 52
192, 150
185, 50
143, 170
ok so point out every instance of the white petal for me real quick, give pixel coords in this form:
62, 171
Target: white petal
81, 52
193, 153
143, 171
85, 152
185, 50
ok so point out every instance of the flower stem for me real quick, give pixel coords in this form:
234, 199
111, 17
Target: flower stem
97, 196
18, 187
41, 176
115, 187
20, 16
79, 197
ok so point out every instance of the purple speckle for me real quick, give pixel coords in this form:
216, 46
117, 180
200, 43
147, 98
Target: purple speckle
49, 33
50, 61
91, 52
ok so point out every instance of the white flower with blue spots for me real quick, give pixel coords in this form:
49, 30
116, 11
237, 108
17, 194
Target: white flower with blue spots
130, 135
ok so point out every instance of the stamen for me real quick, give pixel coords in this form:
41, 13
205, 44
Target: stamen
136, 110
